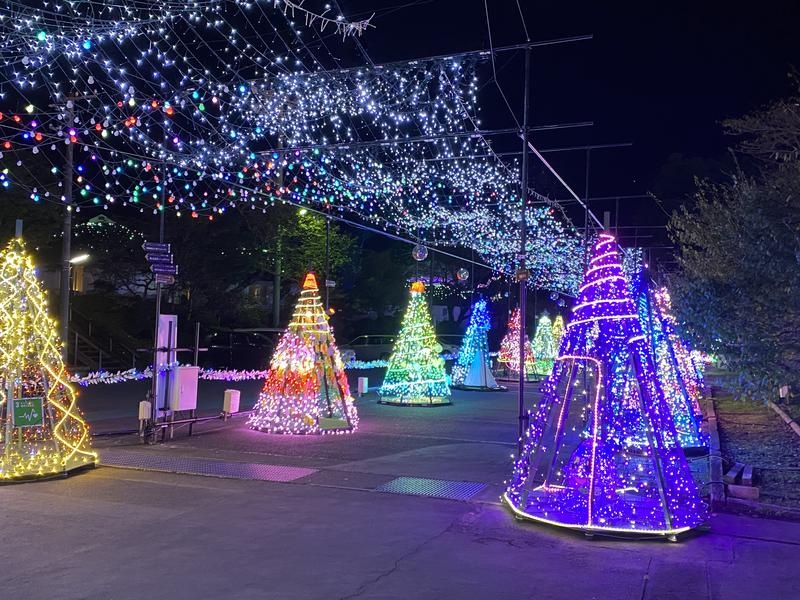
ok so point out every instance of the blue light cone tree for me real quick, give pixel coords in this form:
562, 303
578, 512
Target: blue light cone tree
601, 452
678, 392
544, 348
472, 370
690, 365
416, 374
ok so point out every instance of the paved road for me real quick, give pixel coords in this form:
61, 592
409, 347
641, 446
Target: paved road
121, 533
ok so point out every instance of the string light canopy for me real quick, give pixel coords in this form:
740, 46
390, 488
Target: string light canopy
602, 454
416, 374
306, 389
200, 108
44, 434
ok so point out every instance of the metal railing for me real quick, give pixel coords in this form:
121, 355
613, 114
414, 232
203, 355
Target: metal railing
89, 346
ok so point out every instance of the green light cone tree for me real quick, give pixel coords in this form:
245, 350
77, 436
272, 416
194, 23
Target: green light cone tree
543, 345
416, 374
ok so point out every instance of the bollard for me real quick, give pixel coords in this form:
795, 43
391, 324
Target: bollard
144, 414
363, 386
230, 404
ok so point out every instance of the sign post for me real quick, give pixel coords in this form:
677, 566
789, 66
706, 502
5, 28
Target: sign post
159, 257
27, 412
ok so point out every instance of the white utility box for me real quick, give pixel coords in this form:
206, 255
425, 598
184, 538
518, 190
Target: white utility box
145, 409
230, 404
363, 385
184, 388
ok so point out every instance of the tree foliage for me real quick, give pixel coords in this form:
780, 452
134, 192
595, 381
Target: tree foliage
738, 289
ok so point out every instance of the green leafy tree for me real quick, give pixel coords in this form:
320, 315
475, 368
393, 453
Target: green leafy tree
738, 290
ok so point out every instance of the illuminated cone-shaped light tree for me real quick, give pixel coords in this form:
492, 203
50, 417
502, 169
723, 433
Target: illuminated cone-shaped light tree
306, 388
676, 379
509, 347
688, 361
472, 370
601, 452
416, 375
543, 345
558, 332
43, 431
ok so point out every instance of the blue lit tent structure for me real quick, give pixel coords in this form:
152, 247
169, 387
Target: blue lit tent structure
601, 454
472, 370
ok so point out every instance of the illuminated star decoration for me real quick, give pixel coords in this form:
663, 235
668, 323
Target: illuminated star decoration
416, 374
601, 453
44, 431
306, 389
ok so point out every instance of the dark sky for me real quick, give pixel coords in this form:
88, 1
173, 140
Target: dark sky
660, 75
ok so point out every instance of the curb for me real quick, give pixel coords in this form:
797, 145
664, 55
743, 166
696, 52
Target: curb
716, 485
786, 418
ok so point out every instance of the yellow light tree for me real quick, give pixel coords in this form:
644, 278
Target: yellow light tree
558, 332
42, 432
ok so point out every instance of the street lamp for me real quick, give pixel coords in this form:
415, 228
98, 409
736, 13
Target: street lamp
79, 259
66, 294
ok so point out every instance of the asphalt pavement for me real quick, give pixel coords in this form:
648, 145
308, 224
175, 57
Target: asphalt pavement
312, 522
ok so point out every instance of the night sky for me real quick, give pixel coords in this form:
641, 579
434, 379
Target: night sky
660, 75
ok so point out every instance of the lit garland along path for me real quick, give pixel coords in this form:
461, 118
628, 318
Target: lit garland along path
50, 436
353, 540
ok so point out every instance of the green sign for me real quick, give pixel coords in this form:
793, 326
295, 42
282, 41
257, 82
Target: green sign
28, 412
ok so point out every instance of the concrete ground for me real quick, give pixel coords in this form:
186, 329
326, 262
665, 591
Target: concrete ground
122, 533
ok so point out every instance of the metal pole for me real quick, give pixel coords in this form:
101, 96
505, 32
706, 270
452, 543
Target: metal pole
430, 287
196, 343
522, 275
66, 233
276, 283
154, 380
327, 262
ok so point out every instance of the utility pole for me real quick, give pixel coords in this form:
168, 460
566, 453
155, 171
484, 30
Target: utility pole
154, 379
66, 232
327, 262
276, 283
522, 273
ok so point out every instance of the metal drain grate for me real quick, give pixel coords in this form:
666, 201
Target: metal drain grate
433, 488
200, 466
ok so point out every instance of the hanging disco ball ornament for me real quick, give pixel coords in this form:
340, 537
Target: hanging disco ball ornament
553, 296
419, 253
462, 274
562, 302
